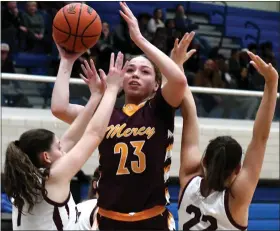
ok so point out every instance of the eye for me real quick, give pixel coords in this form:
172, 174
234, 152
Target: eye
146, 72
129, 70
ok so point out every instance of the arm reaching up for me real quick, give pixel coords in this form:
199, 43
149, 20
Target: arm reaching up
60, 106
173, 91
244, 186
179, 54
98, 85
67, 166
190, 155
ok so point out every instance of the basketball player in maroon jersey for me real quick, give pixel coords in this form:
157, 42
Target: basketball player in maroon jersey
135, 155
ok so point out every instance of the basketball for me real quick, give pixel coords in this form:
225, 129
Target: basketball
76, 27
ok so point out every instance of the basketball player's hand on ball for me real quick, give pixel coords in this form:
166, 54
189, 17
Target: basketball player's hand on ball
67, 55
116, 72
132, 22
266, 70
179, 52
95, 82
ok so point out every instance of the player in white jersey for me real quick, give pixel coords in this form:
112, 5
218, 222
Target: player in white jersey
39, 167
88, 209
215, 191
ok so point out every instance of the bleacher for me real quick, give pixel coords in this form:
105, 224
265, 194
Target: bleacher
215, 22
209, 18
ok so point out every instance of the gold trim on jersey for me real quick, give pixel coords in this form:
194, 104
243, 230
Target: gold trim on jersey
138, 216
130, 109
171, 222
120, 131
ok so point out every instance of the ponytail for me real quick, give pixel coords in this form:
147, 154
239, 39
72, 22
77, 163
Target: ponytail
23, 181
215, 175
222, 156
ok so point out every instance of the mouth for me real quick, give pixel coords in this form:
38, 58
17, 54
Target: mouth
134, 83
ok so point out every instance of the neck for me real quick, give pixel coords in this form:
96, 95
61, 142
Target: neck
135, 100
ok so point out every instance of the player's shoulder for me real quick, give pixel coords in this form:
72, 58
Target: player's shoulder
190, 186
87, 204
158, 102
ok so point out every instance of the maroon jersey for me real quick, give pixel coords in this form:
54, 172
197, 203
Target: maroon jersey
135, 157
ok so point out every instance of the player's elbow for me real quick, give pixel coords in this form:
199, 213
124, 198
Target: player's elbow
58, 111
181, 81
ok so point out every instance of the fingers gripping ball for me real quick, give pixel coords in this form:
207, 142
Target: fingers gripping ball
76, 27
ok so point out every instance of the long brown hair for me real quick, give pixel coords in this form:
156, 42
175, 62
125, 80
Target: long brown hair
23, 179
222, 156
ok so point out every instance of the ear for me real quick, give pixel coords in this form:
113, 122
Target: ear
156, 87
45, 158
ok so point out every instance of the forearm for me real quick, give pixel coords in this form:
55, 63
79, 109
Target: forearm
189, 156
265, 113
166, 66
99, 122
60, 94
190, 120
77, 129
164, 80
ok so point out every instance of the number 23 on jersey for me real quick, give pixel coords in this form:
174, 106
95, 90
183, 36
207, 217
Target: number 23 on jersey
137, 166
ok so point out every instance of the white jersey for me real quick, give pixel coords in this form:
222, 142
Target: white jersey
47, 215
87, 219
199, 213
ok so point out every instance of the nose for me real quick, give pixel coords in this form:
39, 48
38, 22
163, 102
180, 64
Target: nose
135, 76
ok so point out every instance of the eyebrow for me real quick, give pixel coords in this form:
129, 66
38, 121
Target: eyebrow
145, 66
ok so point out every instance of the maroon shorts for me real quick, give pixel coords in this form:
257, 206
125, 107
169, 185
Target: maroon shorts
164, 221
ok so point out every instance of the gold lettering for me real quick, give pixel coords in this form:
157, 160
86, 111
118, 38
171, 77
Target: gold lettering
134, 131
127, 132
150, 132
141, 131
112, 130
120, 131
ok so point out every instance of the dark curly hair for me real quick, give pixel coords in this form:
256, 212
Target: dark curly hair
24, 182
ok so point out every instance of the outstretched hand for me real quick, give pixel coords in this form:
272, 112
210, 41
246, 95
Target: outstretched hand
266, 70
95, 82
116, 72
70, 56
179, 52
131, 20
